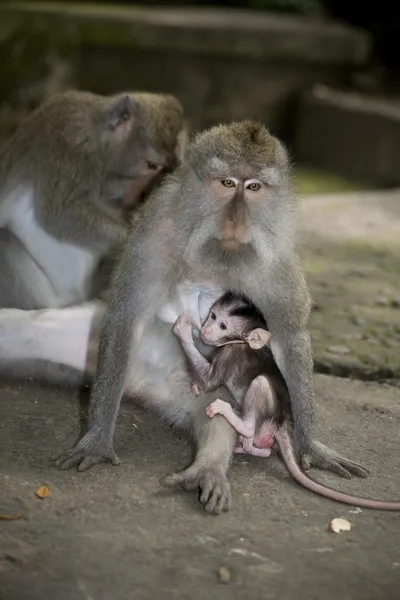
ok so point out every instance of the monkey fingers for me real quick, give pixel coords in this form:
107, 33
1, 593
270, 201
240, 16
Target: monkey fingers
85, 454
183, 328
321, 456
215, 491
196, 389
220, 407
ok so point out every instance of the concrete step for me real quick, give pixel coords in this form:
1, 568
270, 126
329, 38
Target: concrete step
354, 134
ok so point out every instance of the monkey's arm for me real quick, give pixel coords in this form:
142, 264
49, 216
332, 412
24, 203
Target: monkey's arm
210, 376
82, 217
123, 323
287, 317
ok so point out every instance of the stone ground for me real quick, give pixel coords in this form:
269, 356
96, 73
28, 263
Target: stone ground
115, 533
351, 253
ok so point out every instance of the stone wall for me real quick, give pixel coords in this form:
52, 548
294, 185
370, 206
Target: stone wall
222, 64
354, 134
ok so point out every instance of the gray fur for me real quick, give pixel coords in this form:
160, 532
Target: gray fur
174, 250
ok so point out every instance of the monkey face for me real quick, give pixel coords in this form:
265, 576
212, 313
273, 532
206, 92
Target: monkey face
221, 328
235, 195
237, 174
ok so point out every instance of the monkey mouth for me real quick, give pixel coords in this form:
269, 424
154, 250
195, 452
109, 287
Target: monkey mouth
231, 244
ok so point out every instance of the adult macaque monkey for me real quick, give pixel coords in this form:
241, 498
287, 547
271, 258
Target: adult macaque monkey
225, 219
69, 177
238, 333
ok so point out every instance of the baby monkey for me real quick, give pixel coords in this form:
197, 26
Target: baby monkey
242, 361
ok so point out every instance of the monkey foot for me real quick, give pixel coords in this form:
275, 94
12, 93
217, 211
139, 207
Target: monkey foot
321, 456
215, 490
85, 454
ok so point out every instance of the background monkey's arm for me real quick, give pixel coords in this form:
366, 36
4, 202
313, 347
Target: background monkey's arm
80, 218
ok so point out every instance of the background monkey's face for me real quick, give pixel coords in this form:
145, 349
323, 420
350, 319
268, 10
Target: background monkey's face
127, 139
239, 176
143, 136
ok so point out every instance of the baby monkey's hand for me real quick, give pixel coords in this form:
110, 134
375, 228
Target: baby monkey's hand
183, 328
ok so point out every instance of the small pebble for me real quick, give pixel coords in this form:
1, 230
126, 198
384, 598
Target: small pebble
224, 575
357, 273
339, 350
339, 524
361, 321
381, 301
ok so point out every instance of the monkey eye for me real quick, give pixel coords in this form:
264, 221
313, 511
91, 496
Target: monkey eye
254, 187
223, 326
213, 317
228, 183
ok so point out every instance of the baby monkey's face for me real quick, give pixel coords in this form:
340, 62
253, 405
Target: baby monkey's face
221, 328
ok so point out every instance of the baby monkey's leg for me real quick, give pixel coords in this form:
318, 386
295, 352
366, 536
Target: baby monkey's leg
260, 400
220, 407
264, 452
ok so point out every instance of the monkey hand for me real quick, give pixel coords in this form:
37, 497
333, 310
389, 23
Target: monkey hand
196, 389
183, 328
89, 451
215, 490
318, 455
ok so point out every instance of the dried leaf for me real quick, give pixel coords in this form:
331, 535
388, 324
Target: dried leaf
339, 524
42, 492
224, 575
12, 517
12, 509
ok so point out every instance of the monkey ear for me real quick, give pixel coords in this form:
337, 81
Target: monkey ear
258, 338
122, 113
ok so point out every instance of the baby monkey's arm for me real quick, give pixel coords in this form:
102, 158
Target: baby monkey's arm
209, 376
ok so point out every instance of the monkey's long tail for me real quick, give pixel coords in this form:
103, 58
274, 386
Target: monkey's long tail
282, 437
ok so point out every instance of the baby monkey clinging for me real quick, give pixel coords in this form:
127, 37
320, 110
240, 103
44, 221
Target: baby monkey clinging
245, 365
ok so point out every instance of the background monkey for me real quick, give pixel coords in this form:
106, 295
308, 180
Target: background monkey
238, 332
225, 219
69, 178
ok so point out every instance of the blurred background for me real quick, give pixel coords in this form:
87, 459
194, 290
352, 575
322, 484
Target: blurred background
323, 75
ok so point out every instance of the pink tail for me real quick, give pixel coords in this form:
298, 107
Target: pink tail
285, 446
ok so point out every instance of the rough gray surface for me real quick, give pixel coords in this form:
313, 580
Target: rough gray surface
115, 533
205, 30
351, 254
354, 134
210, 58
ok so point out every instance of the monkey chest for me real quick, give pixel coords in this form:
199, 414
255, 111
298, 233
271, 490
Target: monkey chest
68, 267
194, 298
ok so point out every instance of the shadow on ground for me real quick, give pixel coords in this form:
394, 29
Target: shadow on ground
115, 533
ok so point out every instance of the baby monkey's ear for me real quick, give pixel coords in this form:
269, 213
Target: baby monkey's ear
258, 338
